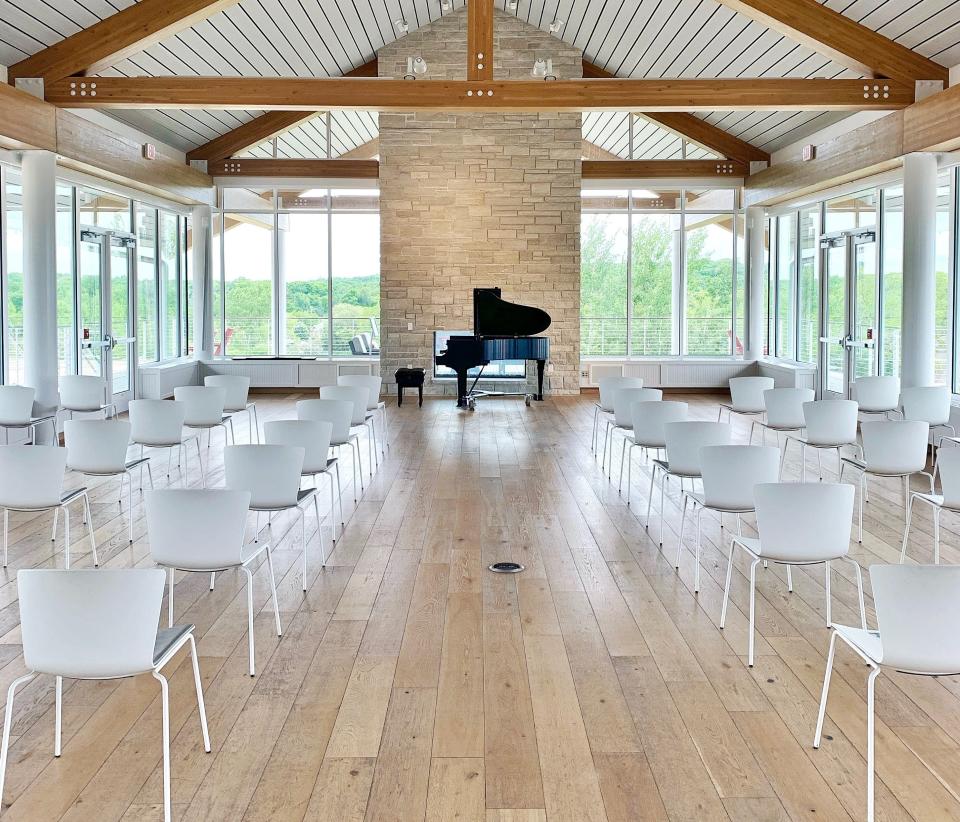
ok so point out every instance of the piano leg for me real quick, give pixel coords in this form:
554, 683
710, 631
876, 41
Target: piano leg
461, 388
540, 365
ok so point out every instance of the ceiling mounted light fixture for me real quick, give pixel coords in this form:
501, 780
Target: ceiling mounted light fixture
402, 26
543, 69
556, 25
446, 5
512, 5
415, 66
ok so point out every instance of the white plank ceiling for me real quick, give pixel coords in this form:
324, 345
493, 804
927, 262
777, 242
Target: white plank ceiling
632, 38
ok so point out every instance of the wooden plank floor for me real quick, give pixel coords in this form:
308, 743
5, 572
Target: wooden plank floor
412, 684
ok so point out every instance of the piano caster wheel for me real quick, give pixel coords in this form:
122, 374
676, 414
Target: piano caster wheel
472, 405
527, 399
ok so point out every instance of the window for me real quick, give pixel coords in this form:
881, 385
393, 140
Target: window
66, 295
808, 287
851, 211
355, 278
786, 268
147, 285
655, 258
891, 277
248, 285
941, 362
170, 259
13, 253
186, 287
603, 283
740, 294
708, 240
304, 274
103, 210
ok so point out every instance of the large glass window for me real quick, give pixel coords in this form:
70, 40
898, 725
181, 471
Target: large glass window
147, 286
248, 285
808, 287
170, 259
13, 253
786, 269
708, 240
304, 268
941, 362
603, 283
891, 279
355, 276
104, 210
66, 296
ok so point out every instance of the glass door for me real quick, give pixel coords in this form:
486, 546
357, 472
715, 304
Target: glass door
850, 310
106, 310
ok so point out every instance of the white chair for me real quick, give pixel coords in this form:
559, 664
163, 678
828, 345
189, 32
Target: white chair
608, 387
271, 474
799, 523
236, 392
203, 409
623, 402
314, 437
784, 411
339, 413
99, 625
98, 448
949, 500
374, 385
891, 448
829, 425
729, 473
683, 443
85, 394
918, 622
31, 479
359, 417
876, 395
16, 411
930, 403
202, 531
159, 424
648, 421
746, 399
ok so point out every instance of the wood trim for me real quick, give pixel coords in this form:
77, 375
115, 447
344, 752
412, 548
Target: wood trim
368, 94
365, 151
693, 128
591, 151
249, 134
841, 39
933, 124
25, 121
479, 39
368, 69
251, 167
116, 37
626, 169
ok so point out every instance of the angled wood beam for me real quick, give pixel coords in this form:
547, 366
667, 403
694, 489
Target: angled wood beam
25, 121
369, 94
591, 151
841, 39
368, 69
254, 167
116, 37
249, 134
479, 39
365, 151
660, 169
693, 128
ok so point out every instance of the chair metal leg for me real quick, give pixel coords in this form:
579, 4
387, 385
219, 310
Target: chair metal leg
58, 716
936, 536
783, 457
66, 533
828, 672
250, 649
56, 519
213, 579
170, 583
165, 702
871, 755
93, 540
198, 685
629, 471
273, 589
753, 609
683, 521
863, 491
906, 532
623, 451
820, 463
316, 510
6, 546
256, 422
789, 579
340, 497
593, 432
333, 511
663, 482
203, 476
863, 607
726, 586
653, 473
7, 723
803, 462
696, 567
827, 587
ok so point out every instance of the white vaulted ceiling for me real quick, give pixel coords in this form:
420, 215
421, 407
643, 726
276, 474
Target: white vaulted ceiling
631, 38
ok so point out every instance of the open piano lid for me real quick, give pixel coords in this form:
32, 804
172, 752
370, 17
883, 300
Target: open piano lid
495, 317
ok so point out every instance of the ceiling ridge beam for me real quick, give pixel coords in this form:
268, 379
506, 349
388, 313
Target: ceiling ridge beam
843, 40
693, 128
661, 169
115, 38
479, 39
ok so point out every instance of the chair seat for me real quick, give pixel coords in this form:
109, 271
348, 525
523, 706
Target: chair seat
866, 641
236, 410
934, 499
814, 444
666, 467
167, 638
774, 427
26, 423
302, 494
860, 464
731, 407
309, 473
86, 409
701, 501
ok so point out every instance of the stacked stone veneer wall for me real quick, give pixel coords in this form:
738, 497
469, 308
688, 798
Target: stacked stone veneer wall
476, 200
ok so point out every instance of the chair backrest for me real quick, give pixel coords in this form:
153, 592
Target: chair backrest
650, 417
31, 476
930, 403
785, 406
271, 473
97, 446
731, 472
337, 412
804, 521
895, 446
354, 394
746, 393
16, 403
624, 399
90, 623
156, 422
196, 528
830, 422
82, 392
686, 439
373, 385
236, 390
948, 461
311, 435
876, 393
202, 404
609, 385
918, 614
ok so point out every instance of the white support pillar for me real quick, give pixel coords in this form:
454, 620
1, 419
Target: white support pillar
756, 273
39, 176
203, 274
918, 323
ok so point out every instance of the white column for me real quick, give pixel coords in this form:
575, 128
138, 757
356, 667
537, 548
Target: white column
203, 274
39, 176
756, 273
919, 269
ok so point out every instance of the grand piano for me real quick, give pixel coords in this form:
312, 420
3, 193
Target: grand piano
501, 331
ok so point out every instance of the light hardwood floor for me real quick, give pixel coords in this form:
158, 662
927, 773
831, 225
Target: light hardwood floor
412, 684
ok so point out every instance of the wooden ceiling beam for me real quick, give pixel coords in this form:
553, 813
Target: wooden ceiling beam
368, 94
693, 128
116, 37
661, 169
479, 39
282, 167
843, 40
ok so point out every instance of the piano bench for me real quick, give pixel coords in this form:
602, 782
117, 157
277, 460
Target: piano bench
409, 378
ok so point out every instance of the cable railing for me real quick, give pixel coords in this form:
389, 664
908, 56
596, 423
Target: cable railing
652, 336
303, 336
